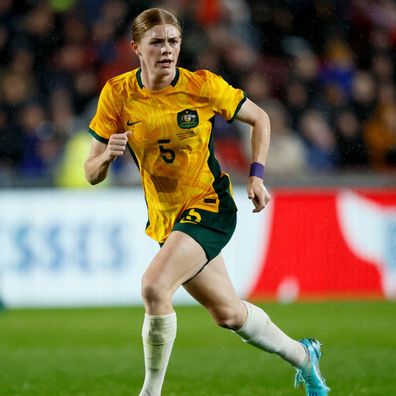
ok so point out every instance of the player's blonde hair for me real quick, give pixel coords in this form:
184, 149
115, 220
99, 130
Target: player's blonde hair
152, 17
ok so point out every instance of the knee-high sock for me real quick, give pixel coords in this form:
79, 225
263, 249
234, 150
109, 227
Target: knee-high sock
158, 333
259, 331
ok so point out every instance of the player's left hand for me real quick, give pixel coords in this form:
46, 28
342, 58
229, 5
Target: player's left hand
257, 193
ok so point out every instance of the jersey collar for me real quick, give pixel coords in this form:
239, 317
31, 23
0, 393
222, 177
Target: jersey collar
140, 83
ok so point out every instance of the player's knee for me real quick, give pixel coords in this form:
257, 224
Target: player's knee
228, 317
153, 292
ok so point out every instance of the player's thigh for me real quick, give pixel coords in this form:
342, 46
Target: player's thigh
179, 259
212, 288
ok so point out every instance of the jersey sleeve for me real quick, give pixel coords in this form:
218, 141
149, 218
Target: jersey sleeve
226, 100
105, 121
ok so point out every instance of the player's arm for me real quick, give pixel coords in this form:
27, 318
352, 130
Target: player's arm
258, 119
101, 155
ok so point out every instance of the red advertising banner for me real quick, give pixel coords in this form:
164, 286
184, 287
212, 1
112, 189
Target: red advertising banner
335, 243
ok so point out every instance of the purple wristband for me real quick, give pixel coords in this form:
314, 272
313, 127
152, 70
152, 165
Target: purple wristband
257, 169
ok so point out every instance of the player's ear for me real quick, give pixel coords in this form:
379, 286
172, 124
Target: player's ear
135, 47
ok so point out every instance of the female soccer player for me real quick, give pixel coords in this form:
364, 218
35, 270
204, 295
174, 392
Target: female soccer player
164, 114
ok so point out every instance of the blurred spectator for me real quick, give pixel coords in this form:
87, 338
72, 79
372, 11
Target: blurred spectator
380, 135
287, 155
296, 99
364, 95
382, 67
16, 89
258, 88
70, 173
350, 143
320, 140
11, 145
41, 145
339, 67
386, 93
229, 147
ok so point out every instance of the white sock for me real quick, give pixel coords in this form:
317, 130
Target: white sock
259, 331
158, 333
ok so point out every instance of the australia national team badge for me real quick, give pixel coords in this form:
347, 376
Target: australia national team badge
187, 119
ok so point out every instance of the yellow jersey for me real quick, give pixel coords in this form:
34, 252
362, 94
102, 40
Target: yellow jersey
171, 140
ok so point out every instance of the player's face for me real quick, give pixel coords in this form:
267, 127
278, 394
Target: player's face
159, 49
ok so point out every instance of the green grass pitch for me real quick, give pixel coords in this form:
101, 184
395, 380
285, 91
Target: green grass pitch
97, 352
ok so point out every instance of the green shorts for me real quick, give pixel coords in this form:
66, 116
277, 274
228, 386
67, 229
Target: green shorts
211, 230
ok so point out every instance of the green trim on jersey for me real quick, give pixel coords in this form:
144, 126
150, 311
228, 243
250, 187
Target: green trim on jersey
139, 78
133, 155
103, 140
97, 137
243, 100
176, 79
221, 183
140, 82
213, 164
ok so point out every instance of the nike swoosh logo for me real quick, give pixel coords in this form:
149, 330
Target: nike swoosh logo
132, 123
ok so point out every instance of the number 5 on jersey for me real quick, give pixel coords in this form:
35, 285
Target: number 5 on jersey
168, 155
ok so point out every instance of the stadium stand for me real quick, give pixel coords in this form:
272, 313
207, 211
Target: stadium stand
323, 69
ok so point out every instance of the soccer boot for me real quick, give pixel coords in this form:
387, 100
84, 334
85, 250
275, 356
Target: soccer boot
309, 376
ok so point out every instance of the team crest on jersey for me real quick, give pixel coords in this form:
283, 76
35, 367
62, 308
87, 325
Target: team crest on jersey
187, 119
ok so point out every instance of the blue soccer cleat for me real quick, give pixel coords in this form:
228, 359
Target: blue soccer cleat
310, 376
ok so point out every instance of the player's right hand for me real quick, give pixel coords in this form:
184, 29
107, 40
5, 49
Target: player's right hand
117, 144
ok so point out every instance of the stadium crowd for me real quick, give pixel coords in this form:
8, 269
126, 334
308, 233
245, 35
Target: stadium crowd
324, 70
